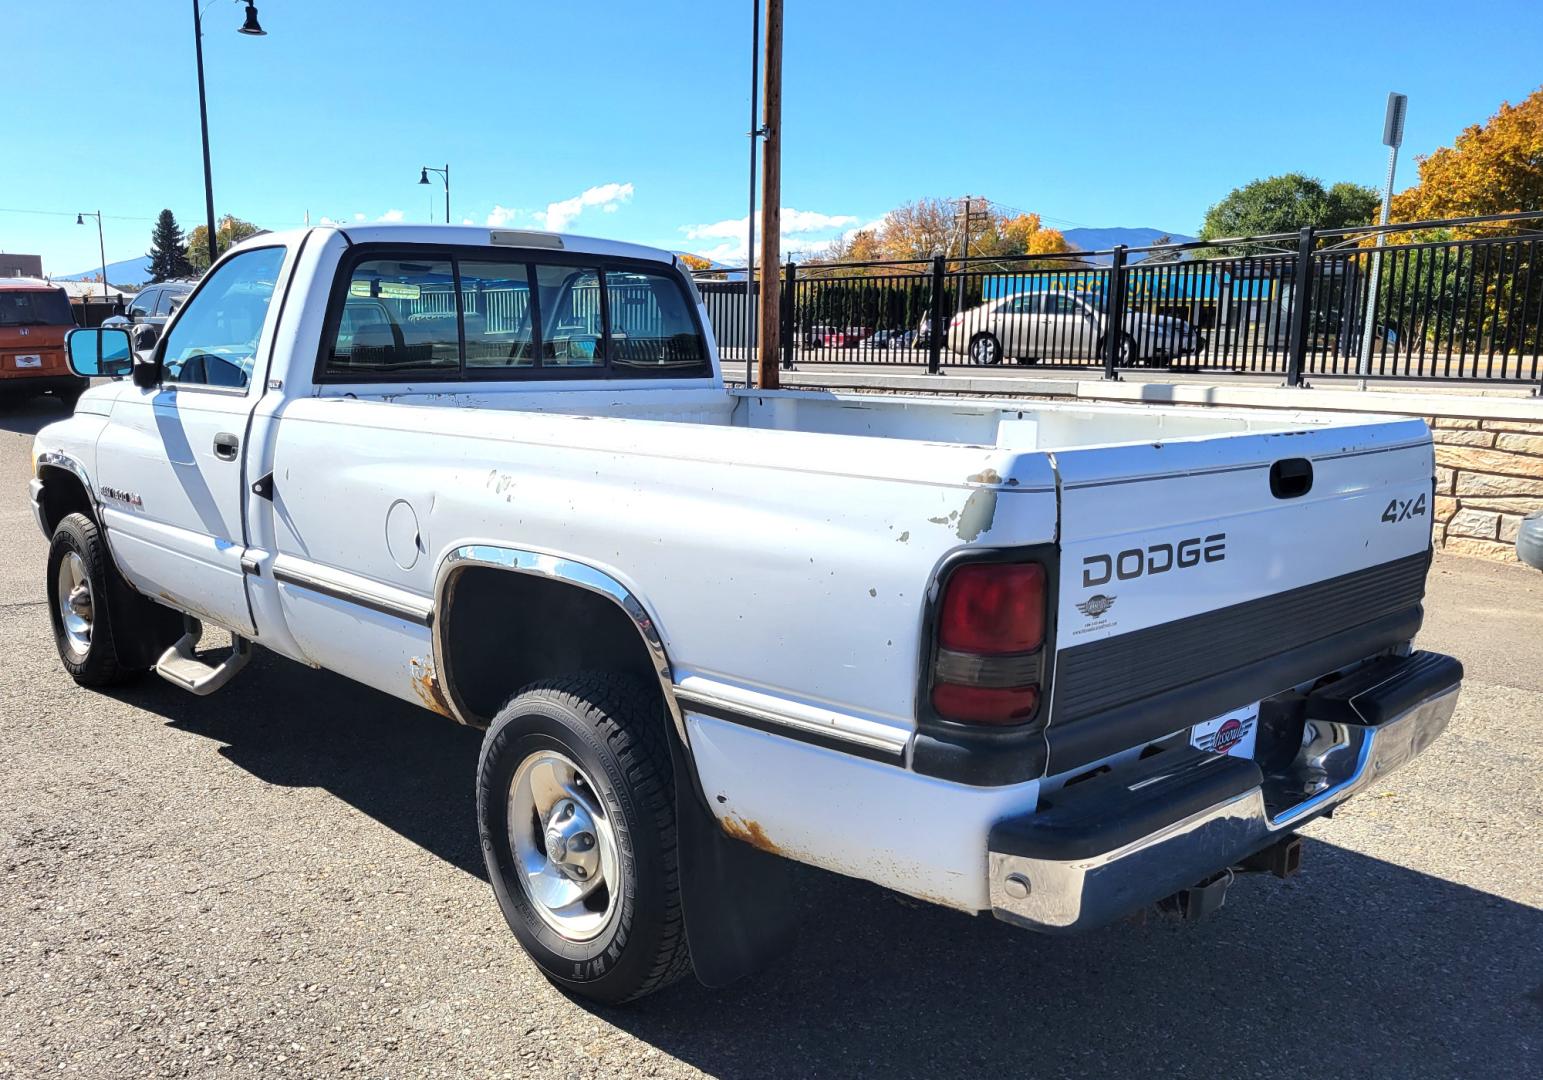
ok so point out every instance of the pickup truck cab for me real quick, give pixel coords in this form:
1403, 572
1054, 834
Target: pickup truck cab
1055, 662
35, 315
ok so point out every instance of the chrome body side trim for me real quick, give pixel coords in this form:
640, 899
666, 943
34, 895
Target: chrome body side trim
1076, 894
557, 568
354, 589
60, 460
822, 727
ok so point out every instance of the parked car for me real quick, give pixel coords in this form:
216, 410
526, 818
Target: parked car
150, 310
839, 337
891, 339
1054, 324
1052, 662
35, 315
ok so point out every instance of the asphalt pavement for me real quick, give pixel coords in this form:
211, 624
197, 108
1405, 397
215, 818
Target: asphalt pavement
283, 880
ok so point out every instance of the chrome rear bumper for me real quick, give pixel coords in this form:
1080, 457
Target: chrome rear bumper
1121, 842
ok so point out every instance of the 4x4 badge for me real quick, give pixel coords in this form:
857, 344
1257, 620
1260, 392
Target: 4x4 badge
1095, 606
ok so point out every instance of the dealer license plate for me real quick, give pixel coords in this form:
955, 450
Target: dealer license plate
1231, 733
30, 360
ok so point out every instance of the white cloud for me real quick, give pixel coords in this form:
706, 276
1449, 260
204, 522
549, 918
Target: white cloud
608, 197
389, 215
504, 215
467, 221
807, 232
359, 217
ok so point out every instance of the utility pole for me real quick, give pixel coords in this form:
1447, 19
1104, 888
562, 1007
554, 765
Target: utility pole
771, 201
964, 253
750, 328
1392, 138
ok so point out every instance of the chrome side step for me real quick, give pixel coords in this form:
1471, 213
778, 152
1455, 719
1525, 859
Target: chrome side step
180, 667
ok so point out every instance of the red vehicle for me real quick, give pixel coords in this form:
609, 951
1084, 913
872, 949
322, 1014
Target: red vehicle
34, 317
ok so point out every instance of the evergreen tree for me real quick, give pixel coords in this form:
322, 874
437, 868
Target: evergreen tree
168, 250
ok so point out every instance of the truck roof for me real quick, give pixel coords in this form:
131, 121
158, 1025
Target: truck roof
472, 236
14, 283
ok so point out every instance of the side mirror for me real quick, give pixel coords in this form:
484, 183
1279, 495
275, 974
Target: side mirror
99, 351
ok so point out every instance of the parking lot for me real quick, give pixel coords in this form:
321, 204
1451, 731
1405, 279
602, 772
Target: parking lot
284, 880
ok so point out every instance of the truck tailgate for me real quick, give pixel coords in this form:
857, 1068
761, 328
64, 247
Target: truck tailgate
1198, 576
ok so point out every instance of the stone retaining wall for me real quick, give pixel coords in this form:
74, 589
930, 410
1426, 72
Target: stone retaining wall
1489, 475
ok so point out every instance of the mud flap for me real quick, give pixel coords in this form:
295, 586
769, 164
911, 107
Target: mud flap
740, 904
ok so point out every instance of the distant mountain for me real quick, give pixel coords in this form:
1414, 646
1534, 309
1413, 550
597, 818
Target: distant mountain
127, 272
1103, 239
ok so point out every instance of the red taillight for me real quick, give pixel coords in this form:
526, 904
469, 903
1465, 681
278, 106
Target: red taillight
985, 704
993, 608
990, 633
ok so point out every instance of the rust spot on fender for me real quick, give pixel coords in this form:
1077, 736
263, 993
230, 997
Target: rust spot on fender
426, 686
750, 832
985, 476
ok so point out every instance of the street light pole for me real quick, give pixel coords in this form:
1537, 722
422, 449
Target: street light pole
101, 246
203, 127
1392, 138
252, 29
423, 178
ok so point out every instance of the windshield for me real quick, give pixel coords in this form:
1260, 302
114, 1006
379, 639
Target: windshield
35, 307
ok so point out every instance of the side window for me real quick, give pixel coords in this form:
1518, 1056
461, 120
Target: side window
651, 326
400, 318
144, 303
572, 323
214, 343
170, 301
497, 313
1056, 304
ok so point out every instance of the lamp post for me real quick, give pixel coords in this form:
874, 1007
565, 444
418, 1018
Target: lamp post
80, 219
252, 28
423, 178
1392, 138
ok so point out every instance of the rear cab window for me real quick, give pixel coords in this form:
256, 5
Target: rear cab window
421, 313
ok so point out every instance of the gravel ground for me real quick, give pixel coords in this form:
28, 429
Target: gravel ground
283, 880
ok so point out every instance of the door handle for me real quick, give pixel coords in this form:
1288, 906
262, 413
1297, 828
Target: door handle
226, 446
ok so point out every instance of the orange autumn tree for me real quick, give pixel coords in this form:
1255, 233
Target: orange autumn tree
1492, 168
1477, 294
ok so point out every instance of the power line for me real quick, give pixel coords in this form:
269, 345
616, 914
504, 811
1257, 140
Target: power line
69, 213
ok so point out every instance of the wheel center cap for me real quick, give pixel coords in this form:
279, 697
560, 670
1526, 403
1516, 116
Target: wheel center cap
80, 601
570, 841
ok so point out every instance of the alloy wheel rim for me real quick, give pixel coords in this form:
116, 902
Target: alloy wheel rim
77, 611
985, 351
565, 852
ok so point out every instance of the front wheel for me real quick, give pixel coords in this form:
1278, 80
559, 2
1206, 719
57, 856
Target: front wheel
1127, 354
80, 572
576, 811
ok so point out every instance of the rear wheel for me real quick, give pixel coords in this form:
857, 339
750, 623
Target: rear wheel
985, 349
80, 573
576, 811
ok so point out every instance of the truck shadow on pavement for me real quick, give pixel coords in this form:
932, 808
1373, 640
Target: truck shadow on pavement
1356, 967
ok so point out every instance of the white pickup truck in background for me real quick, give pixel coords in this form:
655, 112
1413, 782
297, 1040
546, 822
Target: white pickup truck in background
1052, 662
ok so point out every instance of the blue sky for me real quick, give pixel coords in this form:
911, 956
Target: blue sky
627, 120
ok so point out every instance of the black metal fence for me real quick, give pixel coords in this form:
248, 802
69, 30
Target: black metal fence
1442, 300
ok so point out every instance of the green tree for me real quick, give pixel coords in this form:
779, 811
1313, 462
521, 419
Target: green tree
228, 230
1278, 204
168, 250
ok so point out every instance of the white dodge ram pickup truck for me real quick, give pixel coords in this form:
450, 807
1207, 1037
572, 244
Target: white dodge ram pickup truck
1055, 662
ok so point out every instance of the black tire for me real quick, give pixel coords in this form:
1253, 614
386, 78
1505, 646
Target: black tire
1128, 350
614, 730
985, 350
98, 664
